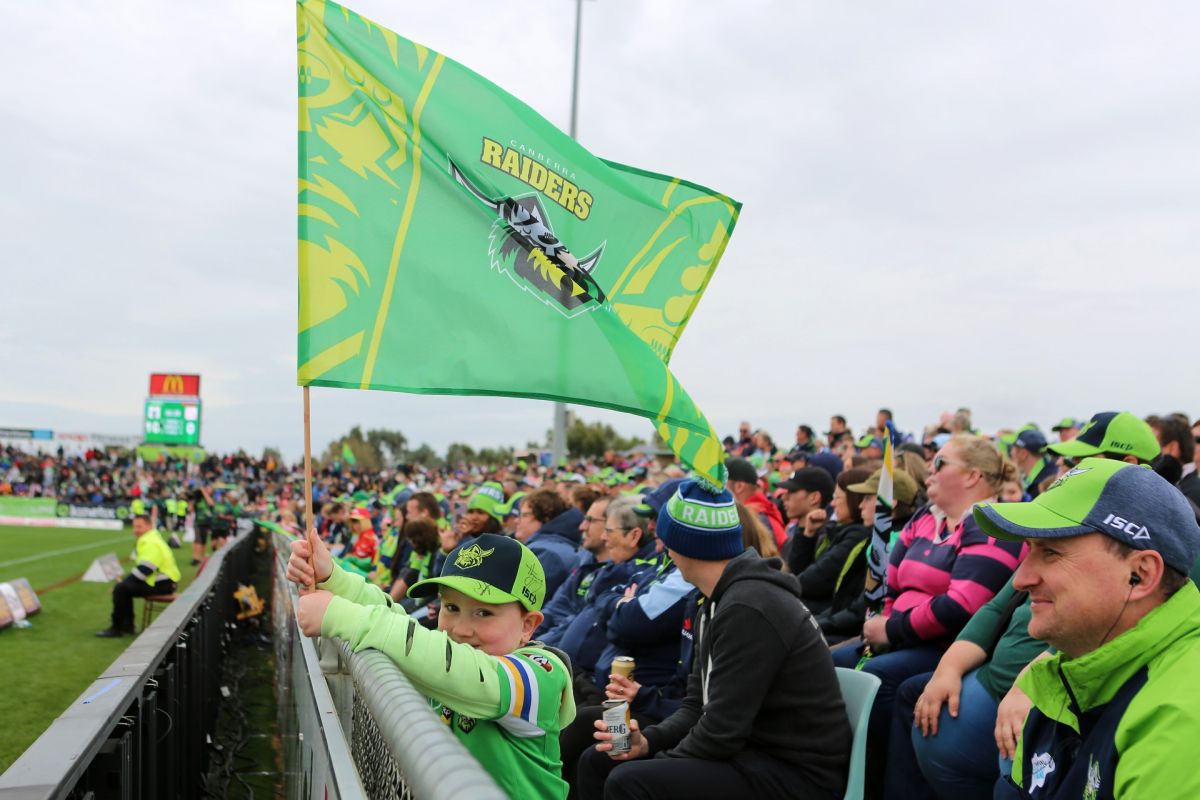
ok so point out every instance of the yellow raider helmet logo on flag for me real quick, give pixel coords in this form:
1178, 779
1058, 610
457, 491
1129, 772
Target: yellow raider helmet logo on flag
472, 556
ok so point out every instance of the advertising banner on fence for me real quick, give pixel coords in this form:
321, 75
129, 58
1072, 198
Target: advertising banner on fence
27, 507
46, 512
155, 453
117, 512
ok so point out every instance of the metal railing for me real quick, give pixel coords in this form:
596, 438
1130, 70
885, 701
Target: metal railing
316, 756
400, 747
351, 726
141, 729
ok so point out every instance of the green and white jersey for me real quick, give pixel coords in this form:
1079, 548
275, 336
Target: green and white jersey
506, 710
520, 746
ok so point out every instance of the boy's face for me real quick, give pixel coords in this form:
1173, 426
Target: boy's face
496, 629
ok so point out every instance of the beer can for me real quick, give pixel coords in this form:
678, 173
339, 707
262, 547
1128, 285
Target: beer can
623, 666
616, 719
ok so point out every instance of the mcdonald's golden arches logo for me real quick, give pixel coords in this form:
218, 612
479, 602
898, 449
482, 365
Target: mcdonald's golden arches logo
174, 384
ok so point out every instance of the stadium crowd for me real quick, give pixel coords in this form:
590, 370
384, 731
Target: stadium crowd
1030, 618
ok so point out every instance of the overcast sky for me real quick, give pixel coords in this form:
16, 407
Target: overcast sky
945, 204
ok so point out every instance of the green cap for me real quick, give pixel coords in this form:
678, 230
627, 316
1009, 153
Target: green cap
491, 569
904, 486
488, 498
506, 509
1130, 503
1113, 433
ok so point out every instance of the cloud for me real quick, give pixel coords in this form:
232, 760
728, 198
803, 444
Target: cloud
943, 205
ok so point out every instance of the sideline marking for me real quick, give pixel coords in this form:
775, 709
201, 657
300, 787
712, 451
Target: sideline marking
64, 551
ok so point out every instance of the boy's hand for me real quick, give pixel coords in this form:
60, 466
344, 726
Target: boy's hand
638, 746
621, 688
299, 568
312, 611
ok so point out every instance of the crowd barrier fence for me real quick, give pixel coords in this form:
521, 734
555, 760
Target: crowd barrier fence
398, 746
141, 729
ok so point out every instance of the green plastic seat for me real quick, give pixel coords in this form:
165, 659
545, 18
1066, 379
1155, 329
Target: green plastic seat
858, 693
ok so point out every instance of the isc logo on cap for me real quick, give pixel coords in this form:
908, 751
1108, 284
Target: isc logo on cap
1132, 528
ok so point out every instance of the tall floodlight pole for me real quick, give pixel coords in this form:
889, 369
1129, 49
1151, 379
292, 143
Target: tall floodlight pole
558, 447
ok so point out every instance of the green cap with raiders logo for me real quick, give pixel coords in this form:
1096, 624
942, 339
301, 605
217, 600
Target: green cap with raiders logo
491, 569
1130, 503
1114, 433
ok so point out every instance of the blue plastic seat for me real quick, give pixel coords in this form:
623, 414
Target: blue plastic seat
858, 692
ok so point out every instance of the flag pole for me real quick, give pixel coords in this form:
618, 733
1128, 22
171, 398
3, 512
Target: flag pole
558, 445
309, 530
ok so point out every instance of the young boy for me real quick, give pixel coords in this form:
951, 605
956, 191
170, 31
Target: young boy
504, 699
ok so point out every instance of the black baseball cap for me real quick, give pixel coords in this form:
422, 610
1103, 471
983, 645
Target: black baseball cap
810, 479
741, 469
1032, 440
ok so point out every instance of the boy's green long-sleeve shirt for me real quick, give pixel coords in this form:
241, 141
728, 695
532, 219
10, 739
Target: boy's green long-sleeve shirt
506, 710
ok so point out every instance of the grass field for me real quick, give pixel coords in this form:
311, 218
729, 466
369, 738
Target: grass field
51, 663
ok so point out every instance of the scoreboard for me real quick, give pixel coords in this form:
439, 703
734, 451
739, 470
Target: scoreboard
172, 421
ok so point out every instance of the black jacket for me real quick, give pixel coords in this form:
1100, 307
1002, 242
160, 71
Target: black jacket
820, 575
762, 692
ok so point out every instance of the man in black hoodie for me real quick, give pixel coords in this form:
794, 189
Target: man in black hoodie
763, 716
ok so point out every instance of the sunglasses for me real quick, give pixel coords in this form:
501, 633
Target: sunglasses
941, 461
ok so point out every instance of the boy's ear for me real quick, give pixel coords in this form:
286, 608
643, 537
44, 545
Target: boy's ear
529, 624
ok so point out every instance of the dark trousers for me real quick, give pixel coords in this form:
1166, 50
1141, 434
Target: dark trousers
580, 735
903, 776
125, 591
683, 778
960, 761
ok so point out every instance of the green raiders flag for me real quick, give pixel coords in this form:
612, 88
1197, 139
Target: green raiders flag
348, 454
452, 241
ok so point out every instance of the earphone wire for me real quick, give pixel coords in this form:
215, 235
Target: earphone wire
1104, 639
